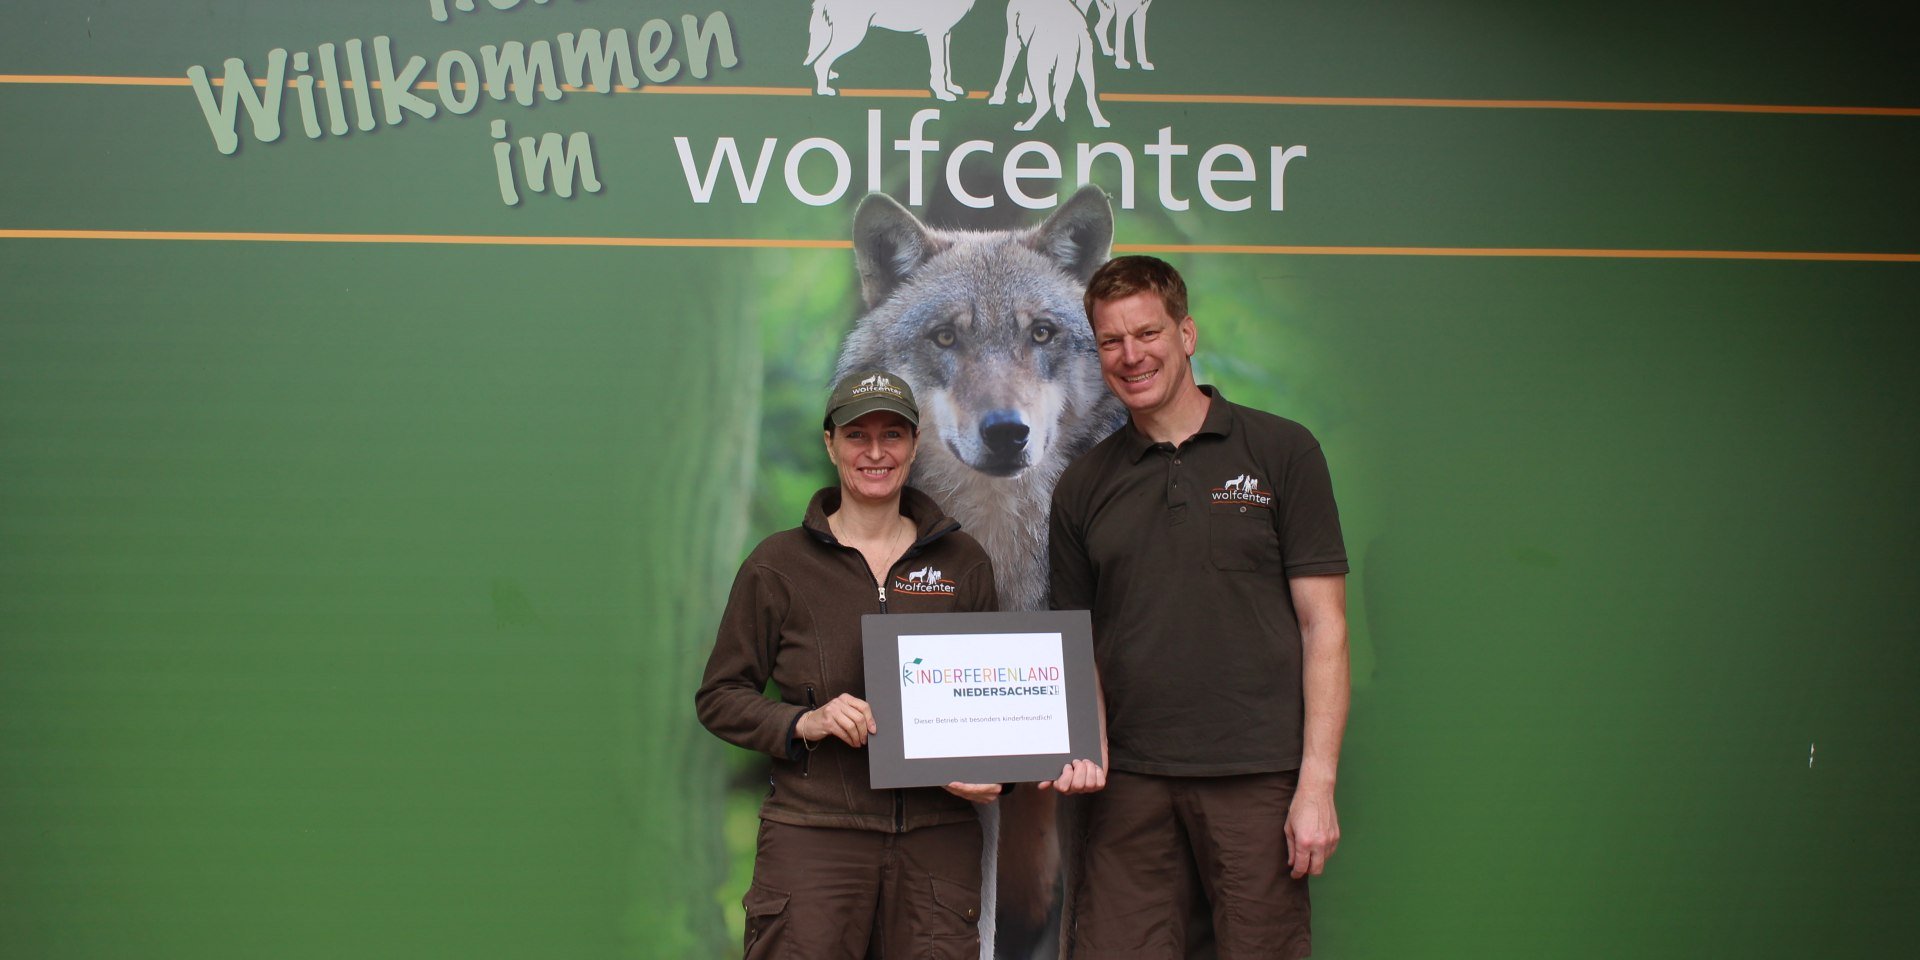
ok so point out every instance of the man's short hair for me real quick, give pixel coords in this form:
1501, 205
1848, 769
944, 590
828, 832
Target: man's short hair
1122, 277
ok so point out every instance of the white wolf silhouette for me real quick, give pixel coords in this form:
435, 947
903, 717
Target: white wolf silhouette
1253, 485
988, 330
1236, 483
838, 26
1054, 34
1127, 11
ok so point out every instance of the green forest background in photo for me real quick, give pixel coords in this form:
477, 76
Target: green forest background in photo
353, 594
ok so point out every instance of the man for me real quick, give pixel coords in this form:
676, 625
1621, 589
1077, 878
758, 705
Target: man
1204, 538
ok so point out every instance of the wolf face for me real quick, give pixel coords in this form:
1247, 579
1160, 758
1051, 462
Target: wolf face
989, 330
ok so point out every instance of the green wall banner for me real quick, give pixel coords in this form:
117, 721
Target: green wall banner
390, 390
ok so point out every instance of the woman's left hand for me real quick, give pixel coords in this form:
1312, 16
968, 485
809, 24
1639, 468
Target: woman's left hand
977, 792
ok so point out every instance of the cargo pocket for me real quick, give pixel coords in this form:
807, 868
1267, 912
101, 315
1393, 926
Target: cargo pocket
1243, 538
766, 915
950, 930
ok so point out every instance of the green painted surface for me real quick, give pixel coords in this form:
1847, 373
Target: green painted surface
351, 596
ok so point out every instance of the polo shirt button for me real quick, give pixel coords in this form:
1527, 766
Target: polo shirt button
1176, 463
1243, 509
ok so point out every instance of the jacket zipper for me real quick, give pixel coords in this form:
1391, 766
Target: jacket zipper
899, 796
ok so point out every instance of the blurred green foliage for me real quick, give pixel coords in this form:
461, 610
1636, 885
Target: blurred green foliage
806, 301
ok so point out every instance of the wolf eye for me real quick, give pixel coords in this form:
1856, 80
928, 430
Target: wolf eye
943, 337
1043, 332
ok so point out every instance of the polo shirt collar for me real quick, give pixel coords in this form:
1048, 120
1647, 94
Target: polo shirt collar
1219, 422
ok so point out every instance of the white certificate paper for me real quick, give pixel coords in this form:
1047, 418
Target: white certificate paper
975, 695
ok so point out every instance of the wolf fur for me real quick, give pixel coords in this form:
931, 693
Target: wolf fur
989, 330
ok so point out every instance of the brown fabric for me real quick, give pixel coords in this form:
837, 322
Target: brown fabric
1156, 844
825, 894
1183, 555
793, 618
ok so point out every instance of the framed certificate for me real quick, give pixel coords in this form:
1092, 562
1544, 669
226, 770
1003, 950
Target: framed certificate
979, 697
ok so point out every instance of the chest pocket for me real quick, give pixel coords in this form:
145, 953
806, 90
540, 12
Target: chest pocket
1242, 538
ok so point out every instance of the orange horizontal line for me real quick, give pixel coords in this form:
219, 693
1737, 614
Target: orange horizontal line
881, 92
776, 243
43, 78
1509, 104
262, 83
729, 91
1572, 252
375, 84
462, 85
1186, 98
428, 238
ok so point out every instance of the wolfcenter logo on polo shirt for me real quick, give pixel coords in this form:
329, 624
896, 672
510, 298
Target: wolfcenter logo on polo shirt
1243, 489
927, 579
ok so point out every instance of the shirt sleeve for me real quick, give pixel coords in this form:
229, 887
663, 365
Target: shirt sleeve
1069, 570
1310, 540
731, 702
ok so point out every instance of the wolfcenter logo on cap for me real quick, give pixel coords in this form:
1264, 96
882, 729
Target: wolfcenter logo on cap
878, 383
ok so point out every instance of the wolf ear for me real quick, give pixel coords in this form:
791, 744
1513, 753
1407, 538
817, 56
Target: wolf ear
1079, 236
888, 244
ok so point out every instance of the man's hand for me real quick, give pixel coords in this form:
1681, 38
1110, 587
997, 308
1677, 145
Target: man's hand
845, 716
1080, 776
977, 792
1313, 831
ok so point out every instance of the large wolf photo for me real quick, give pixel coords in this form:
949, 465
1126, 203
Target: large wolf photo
989, 328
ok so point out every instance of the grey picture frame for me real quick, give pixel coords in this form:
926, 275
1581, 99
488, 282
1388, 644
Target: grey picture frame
887, 763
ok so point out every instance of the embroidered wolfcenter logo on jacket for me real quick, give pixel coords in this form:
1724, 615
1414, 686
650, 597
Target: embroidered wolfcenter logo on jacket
924, 580
1243, 489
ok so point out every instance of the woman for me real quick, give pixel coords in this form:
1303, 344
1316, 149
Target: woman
843, 870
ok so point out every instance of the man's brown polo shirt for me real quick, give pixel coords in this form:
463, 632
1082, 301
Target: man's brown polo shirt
1183, 555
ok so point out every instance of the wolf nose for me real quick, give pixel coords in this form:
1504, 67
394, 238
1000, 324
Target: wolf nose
1004, 433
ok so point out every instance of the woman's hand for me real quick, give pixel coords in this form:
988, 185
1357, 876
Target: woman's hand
845, 716
977, 792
